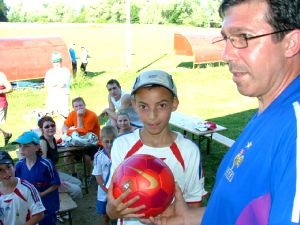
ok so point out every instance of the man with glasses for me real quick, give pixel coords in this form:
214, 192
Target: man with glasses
118, 99
258, 181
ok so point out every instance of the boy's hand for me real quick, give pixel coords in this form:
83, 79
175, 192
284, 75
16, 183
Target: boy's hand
117, 209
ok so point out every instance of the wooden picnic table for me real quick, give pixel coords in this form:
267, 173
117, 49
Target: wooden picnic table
72, 149
189, 123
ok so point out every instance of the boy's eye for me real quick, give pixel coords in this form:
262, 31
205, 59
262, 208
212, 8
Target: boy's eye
162, 105
142, 106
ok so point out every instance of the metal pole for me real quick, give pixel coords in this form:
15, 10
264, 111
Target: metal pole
128, 35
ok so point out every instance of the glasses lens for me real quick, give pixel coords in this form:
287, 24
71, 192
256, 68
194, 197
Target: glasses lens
239, 41
48, 126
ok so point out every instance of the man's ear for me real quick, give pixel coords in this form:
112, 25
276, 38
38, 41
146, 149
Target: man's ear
175, 104
292, 40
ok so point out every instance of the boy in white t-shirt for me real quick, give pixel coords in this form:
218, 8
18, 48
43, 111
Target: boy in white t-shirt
154, 97
102, 163
20, 202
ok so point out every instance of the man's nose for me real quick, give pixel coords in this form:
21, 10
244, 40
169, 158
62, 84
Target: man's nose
229, 52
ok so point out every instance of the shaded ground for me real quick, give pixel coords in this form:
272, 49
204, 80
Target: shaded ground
86, 211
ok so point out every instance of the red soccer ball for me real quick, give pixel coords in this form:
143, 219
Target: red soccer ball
150, 178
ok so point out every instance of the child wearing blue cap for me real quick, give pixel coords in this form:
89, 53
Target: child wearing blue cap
40, 172
20, 202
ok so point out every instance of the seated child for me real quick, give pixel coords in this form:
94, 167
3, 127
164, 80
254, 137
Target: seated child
123, 122
101, 169
40, 172
20, 202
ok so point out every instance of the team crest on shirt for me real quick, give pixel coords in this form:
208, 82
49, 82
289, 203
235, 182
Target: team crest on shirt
237, 161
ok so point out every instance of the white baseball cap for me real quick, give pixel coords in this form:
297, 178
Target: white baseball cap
56, 57
154, 77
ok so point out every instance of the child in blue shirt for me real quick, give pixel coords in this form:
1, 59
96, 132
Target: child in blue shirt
40, 172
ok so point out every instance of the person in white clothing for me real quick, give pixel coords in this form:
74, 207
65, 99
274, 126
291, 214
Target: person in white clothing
57, 82
102, 163
154, 98
117, 100
20, 202
84, 59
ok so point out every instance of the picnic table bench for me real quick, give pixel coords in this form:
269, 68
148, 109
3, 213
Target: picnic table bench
67, 205
189, 123
222, 139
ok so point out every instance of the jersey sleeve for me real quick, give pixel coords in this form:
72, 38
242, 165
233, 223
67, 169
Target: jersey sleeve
97, 169
193, 190
33, 198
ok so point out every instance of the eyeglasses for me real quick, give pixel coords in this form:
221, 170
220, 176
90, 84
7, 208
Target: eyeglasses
48, 126
241, 41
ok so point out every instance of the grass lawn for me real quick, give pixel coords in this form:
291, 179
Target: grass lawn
207, 92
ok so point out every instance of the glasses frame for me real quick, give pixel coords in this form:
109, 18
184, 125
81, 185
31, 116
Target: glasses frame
48, 126
246, 38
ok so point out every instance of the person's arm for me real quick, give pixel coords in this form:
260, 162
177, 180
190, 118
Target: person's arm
80, 114
100, 182
35, 219
49, 190
44, 148
126, 102
6, 84
178, 213
110, 111
64, 129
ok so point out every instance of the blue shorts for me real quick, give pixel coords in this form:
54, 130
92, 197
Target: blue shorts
101, 207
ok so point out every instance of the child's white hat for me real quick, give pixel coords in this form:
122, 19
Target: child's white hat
56, 57
154, 77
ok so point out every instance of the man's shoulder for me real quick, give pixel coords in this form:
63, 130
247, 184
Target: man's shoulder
90, 112
72, 114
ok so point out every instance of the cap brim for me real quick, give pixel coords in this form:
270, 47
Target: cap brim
6, 161
57, 60
150, 85
23, 141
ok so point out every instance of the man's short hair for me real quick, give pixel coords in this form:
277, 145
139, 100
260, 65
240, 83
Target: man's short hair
113, 81
282, 14
78, 99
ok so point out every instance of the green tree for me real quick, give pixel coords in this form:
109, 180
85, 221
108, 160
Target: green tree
134, 13
3, 11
